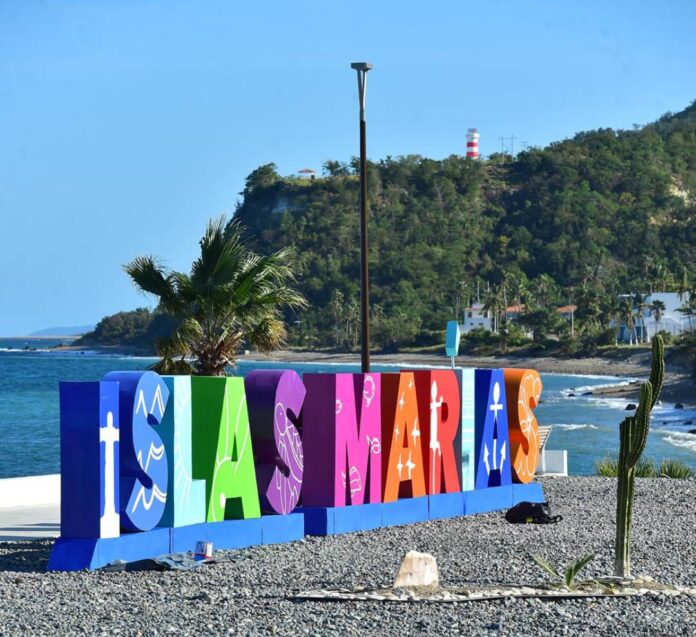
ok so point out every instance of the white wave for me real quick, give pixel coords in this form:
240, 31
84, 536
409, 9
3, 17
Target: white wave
614, 403
680, 439
586, 388
573, 427
607, 377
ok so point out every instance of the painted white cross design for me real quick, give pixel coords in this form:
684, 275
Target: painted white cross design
109, 523
496, 407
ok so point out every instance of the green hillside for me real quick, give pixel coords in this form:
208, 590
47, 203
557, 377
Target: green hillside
581, 220
605, 212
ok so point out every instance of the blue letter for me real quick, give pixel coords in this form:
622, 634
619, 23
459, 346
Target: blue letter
492, 446
89, 458
142, 400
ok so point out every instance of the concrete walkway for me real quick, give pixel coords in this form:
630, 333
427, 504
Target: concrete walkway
29, 508
29, 522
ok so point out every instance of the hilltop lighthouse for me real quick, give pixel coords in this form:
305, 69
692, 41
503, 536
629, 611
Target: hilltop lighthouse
472, 143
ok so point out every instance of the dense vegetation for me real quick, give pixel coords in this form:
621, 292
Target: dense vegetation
138, 329
582, 220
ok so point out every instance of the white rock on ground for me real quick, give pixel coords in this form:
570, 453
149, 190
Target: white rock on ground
417, 569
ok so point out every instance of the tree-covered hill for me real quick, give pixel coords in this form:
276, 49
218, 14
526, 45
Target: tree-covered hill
581, 220
604, 212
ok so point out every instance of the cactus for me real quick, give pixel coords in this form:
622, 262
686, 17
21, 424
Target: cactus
634, 435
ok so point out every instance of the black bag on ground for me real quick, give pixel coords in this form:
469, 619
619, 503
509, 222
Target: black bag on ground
531, 513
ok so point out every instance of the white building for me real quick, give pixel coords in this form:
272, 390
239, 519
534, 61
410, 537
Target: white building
475, 316
671, 321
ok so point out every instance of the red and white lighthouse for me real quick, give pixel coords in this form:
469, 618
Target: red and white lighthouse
472, 140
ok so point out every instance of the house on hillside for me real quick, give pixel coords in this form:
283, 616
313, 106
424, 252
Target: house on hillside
645, 323
514, 311
475, 316
567, 312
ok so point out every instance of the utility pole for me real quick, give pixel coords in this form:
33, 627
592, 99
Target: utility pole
362, 68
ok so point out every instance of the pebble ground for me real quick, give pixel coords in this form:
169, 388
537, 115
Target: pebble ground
251, 594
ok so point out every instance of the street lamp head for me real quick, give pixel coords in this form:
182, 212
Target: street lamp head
361, 66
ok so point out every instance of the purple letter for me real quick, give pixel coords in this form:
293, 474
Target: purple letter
274, 400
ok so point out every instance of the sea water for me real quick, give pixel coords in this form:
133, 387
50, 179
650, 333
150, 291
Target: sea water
585, 425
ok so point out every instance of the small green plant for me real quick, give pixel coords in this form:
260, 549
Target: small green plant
609, 468
570, 571
676, 470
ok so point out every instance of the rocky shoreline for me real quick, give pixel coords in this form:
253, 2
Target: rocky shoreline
678, 387
250, 592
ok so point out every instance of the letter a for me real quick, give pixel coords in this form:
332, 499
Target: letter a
401, 438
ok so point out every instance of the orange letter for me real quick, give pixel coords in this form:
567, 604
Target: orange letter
523, 388
401, 438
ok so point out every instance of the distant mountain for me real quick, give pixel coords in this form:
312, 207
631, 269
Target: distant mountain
64, 331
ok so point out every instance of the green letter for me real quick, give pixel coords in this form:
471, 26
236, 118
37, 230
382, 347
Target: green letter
222, 452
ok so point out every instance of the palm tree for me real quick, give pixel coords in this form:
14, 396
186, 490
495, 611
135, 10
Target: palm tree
640, 303
493, 303
627, 313
657, 309
683, 285
688, 309
232, 297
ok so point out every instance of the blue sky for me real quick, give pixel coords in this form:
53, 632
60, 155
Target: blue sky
125, 125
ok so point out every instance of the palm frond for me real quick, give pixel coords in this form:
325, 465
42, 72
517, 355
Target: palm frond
149, 276
575, 567
222, 253
546, 566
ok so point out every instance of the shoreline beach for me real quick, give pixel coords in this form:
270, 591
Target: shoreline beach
679, 387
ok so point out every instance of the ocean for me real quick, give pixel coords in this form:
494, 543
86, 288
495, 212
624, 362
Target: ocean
585, 425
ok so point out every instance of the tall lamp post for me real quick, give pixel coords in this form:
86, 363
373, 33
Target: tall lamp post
362, 68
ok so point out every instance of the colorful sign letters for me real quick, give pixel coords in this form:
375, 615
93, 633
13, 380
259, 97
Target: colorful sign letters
179, 458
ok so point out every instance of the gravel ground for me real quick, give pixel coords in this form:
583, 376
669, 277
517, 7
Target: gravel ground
251, 596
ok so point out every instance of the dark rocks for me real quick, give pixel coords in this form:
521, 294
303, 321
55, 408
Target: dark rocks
631, 406
679, 406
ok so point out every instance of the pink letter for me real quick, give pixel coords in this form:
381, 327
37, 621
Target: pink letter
342, 434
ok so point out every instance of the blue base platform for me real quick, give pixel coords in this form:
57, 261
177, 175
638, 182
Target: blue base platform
363, 517
75, 554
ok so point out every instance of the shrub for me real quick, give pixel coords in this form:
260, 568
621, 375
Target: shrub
667, 337
675, 469
609, 468
646, 468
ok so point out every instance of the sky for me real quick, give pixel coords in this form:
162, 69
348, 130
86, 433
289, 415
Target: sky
125, 125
